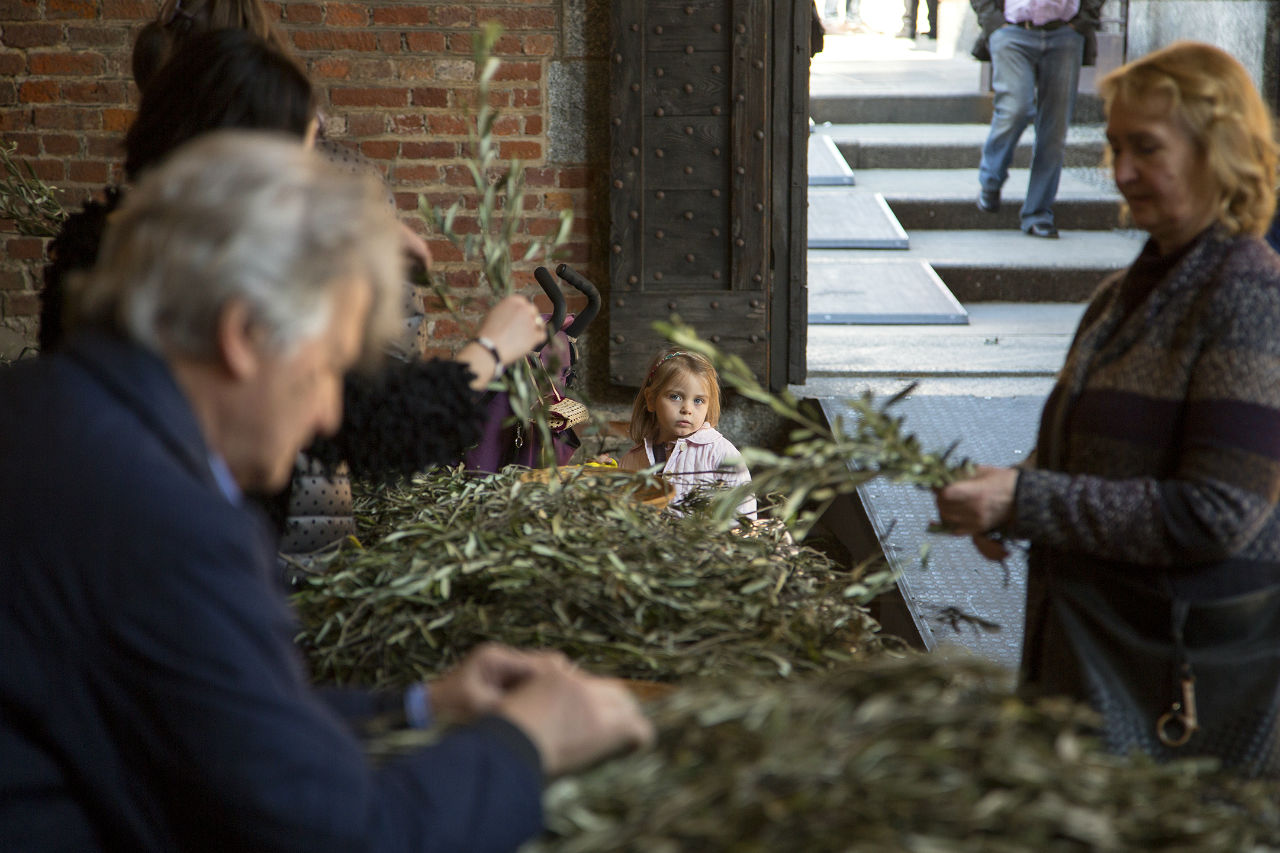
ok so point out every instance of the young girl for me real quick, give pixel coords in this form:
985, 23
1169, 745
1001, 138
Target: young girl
673, 424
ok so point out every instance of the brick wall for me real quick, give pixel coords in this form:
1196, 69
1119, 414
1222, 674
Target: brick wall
395, 81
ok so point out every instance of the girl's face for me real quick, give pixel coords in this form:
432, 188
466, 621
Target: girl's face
680, 407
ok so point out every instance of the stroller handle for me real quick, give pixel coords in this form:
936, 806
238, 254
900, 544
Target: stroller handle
559, 309
587, 289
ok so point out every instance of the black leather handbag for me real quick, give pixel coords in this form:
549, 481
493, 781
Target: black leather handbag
1175, 678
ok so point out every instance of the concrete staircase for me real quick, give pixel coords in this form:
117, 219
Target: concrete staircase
910, 123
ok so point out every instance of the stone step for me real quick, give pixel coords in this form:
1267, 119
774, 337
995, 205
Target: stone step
980, 265
947, 146
892, 108
943, 199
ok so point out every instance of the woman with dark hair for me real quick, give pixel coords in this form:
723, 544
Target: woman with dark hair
411, 416
227, 78
180, 20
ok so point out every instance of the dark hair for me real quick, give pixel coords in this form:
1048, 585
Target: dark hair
226, 78
180, 20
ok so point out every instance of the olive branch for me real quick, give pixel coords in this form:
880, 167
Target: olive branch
500, 200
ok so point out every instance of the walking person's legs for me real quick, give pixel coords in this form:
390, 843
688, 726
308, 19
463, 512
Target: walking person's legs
932, 15
1013, 76
1057, 75
910, 9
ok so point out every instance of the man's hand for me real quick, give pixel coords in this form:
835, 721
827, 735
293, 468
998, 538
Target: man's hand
478, 685
573, 718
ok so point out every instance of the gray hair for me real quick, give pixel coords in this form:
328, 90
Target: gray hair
242, 215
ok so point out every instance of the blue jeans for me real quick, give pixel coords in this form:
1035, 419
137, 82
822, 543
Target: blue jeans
1035, 74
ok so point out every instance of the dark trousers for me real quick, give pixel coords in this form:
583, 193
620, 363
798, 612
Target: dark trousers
911, 9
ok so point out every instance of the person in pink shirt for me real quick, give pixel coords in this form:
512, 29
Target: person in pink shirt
673, 424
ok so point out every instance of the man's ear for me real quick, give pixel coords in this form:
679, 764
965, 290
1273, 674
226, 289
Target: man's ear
239, 347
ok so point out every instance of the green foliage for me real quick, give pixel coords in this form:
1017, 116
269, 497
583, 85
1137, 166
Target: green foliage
820, 462
913, 754
499, 197
27, 200
580, 565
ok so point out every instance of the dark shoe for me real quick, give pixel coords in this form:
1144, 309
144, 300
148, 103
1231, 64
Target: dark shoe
1041, 229
989, 201
905, 33
931, 36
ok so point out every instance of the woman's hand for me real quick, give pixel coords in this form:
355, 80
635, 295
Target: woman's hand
979, 504
515, 327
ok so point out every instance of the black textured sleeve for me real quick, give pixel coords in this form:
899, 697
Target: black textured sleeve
407, 418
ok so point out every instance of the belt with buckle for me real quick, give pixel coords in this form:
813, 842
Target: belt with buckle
1051, 25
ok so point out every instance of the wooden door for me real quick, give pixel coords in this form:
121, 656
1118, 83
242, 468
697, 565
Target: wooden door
709, 123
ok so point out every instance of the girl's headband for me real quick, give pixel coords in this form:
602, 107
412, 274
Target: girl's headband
654, 369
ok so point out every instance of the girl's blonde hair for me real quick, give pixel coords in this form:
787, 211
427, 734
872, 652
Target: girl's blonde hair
663, 370
1212, 95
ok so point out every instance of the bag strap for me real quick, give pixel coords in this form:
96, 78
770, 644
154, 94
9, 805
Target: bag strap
1176, 726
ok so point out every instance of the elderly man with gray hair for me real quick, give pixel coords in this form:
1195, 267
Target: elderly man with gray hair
151, 698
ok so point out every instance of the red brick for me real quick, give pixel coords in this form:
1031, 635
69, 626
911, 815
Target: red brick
429, 150
93, 92
411, 68
460, 43
107, 147
88, 172
345, 15
430, 97
420, 42
526, 97
544, 177
11, 279
61, 145
506, 126
28, 143
12, 64
366, 124
31, 35
385, 149
377, 70
21, 304
402, 16
25, 248
369, 97
65, 118
336, 67
519, 71
117, 120
38, 92
572, 177
519, 19
20, 10
302, 13
71, 9
127, 10
447, 125
96, 35
326, 40
420, 175
82, 63
538, 45
454, 16
389, 42
533, 125
405, 125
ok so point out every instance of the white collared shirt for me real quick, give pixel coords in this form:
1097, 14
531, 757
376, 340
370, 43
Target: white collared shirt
1040, 11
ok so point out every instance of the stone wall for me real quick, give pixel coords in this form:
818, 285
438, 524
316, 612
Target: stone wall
1237, 26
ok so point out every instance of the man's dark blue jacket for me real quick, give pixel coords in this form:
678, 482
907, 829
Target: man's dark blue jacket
150, 695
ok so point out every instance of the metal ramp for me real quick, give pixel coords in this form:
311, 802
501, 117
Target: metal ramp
958, 597
827, 166
875, 292
848, 218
